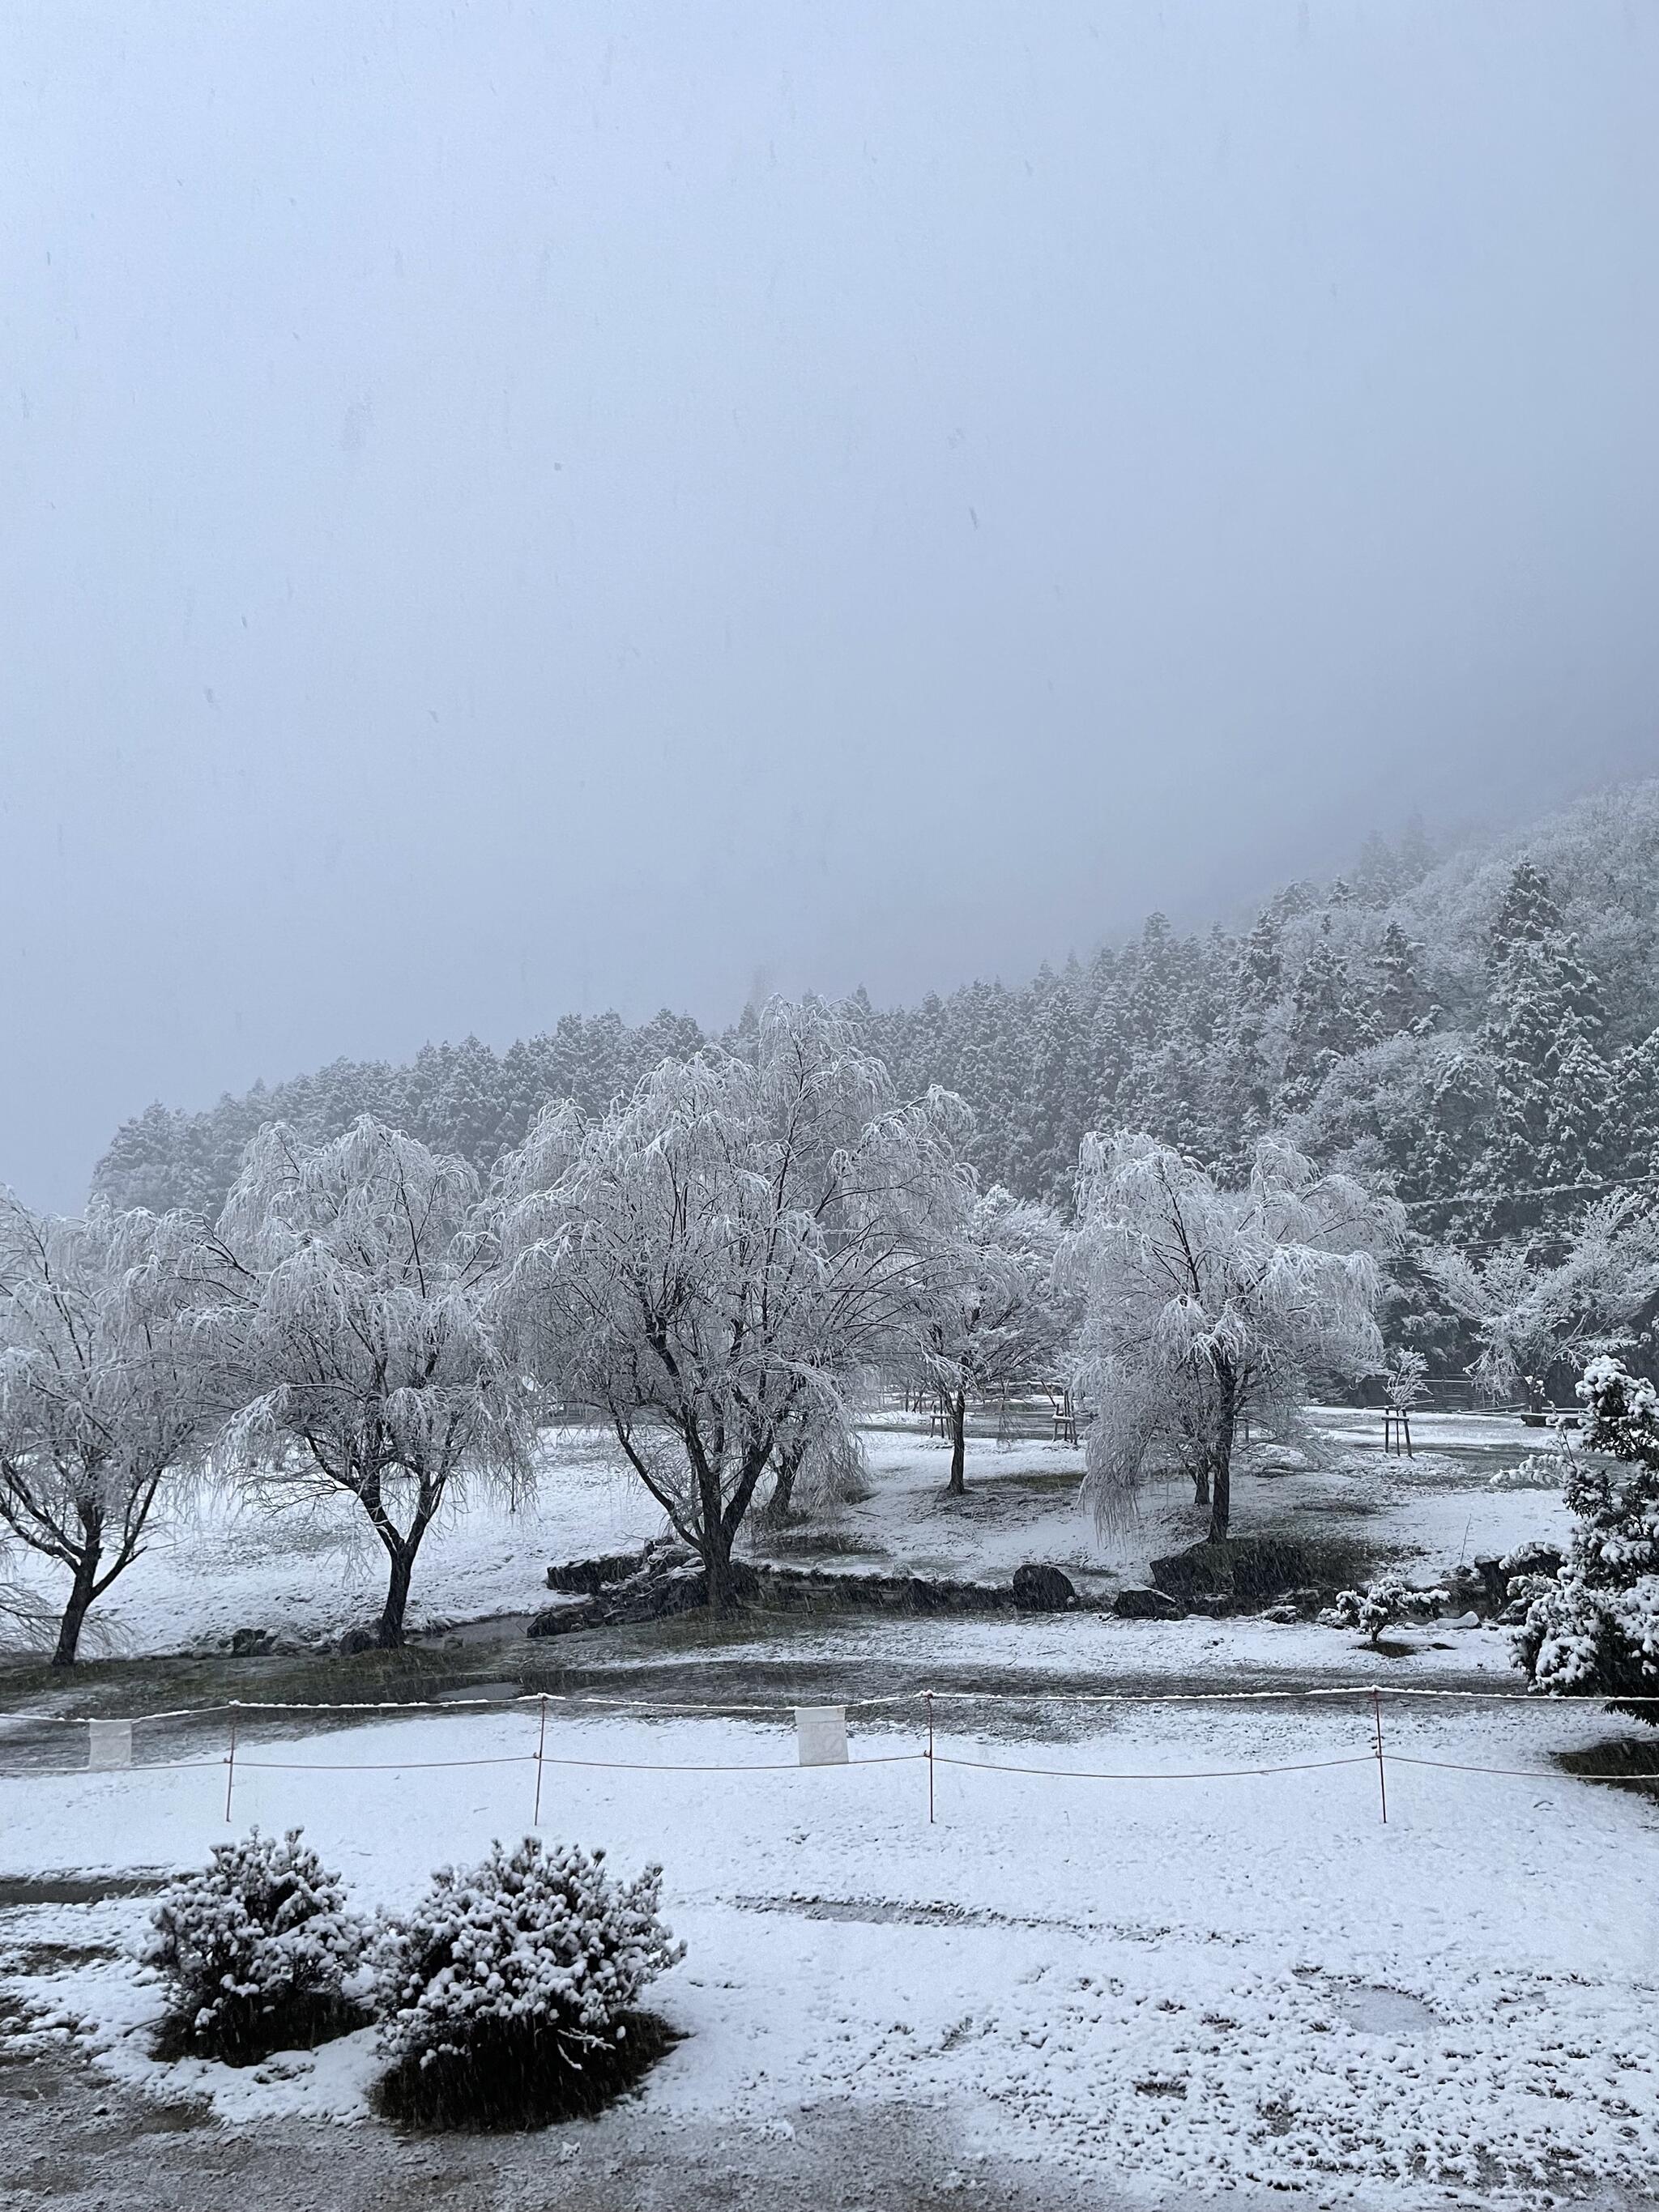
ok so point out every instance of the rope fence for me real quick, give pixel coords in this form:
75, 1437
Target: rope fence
821, 1738
719, 1707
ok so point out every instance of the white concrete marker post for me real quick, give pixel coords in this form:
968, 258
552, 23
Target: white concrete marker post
109, 1746
821, 1734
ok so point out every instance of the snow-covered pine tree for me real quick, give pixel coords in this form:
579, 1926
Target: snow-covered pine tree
1592, 1630
1633, 1115
467, 1115
1326, 1022
1052, 1109
1578, 1125
1376, 874
1543, 1001
1400, 999
1415, 854
1247, 1059
150, 1163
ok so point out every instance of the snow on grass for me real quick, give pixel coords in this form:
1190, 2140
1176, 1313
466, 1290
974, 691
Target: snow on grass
312, 1571
1494, 1431
1242, 1982
1083, 1650
309, 1574
1024, 1503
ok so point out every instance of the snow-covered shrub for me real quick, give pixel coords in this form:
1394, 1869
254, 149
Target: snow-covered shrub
1380, 1605
1592, 1630
1539, 1471
507, 1994
258, 1951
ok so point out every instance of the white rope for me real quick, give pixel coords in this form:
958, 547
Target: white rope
600, 1700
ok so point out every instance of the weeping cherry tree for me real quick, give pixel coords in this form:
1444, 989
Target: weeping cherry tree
104, 1398
1530, 1319
712, 1263
356, 1323
997, 1314
1205, 1306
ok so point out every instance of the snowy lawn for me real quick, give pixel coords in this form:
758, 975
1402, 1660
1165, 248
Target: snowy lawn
1237, 1983
308, 1572
1074, 1651
1022, 1503
315, 1569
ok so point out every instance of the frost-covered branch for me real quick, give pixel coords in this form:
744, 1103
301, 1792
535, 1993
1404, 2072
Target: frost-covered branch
356, 1335
104, 1395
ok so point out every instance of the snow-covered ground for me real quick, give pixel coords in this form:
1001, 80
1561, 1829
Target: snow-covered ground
1083, 1652
1022, 1503
1249, 1985
1246, 1983
309, 1573
314, 1568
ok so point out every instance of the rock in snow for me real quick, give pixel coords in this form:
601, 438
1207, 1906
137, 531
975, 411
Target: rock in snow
1146, 1605
1043, 1589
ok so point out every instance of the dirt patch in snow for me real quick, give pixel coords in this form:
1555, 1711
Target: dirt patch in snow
77, 2143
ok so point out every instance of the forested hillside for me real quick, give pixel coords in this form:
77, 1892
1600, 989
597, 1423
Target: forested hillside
1481, 1029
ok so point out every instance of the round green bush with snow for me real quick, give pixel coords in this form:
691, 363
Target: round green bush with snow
508, 1995
258, 1951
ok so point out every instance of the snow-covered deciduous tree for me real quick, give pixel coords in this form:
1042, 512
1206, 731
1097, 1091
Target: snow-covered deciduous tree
1592, 1630
1206, 1305
1404, 1376
1530, 1319
995, 1313
818, 1461
354, 1329
103, 1394
710, 1264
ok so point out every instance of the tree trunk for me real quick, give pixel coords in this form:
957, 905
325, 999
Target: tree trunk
389, 1629
781, 1503
1202, 1483
1221, 1478
957, 1486
717, 1566
83, 1590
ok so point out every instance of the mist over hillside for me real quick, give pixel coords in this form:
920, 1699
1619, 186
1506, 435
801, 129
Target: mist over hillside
1477, 1029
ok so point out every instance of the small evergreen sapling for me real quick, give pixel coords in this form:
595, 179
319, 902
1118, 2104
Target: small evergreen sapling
1380, 1606
258, 1952
506, 1996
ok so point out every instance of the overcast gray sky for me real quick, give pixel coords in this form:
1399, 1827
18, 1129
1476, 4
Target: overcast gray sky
511, 508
